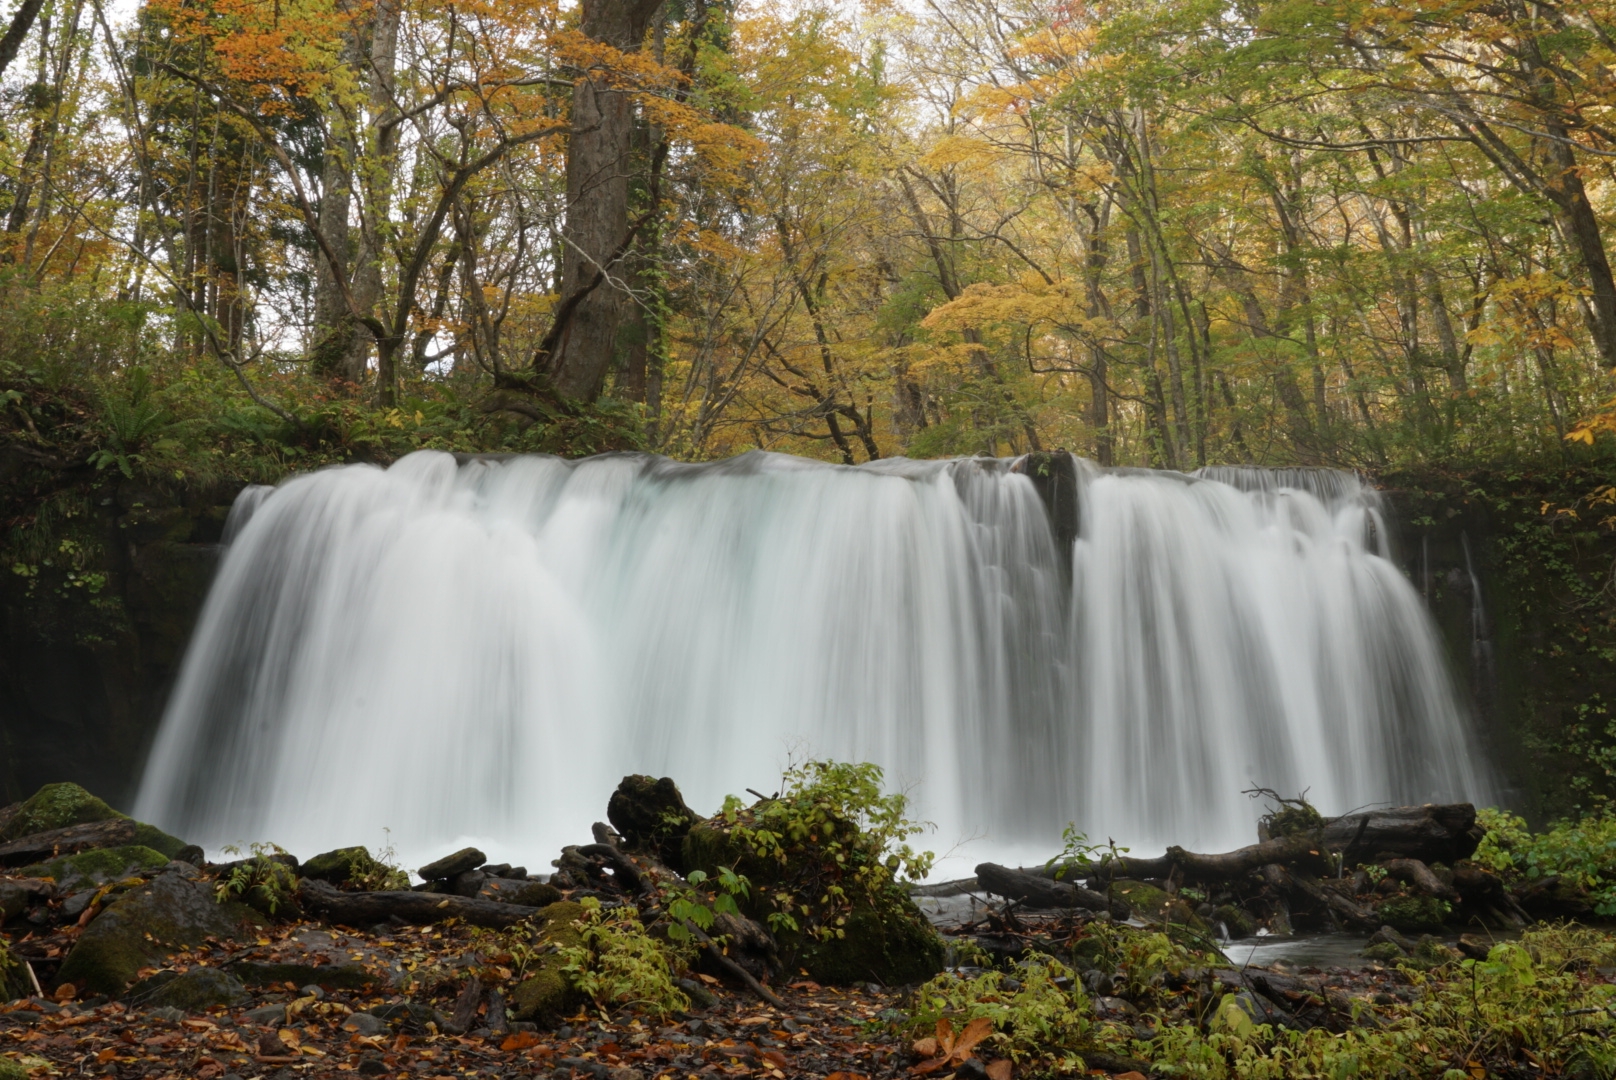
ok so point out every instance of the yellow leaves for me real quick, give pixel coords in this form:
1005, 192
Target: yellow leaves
1603, 419
1024, 303
955, 150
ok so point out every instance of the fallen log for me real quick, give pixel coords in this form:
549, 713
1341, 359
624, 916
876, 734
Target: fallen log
1038, 892
1419, 875
71, 840
416, 908
1428, 834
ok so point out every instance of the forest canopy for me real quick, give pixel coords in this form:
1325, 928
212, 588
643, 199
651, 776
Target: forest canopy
1152, 232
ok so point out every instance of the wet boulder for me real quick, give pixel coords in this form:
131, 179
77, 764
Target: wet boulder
174, 910
452, 866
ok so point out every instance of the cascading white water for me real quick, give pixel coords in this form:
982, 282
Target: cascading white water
479, 651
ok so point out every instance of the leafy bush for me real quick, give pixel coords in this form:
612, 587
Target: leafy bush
833, 838
265, 879
1583, 853
618, 963
1039, 1009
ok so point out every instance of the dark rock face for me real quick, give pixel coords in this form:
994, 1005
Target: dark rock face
84, 674
190, 992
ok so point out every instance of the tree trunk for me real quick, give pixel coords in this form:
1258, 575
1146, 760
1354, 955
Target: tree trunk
21, 23
596, 231
367, 271
418, 908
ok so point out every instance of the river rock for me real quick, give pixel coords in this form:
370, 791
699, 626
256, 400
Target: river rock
191, 991
174, 910
452, 865
651, 816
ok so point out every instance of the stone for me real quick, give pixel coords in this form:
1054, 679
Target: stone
451, 865
267, 1015
408, 1012
17, 895
363, 1024
546, 992
1384, 951
467, 883
192, 991
143, 926
98, 866
651, 816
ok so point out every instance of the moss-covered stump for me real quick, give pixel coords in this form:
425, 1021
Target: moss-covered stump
191, 991
884, 937
97, 866
56, 806
545, 992
14, 981
651, 816
142, 927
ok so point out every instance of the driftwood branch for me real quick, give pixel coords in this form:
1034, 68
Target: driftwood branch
1035, 891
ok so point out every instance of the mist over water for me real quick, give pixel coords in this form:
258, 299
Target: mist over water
480, 651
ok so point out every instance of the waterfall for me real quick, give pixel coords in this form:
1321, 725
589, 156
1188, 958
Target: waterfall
478, 650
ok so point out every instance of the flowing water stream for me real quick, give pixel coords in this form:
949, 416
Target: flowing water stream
478, 651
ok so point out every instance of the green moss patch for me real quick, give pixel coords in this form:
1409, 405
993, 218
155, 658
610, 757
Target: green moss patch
545, 991
56, 806
1415, 913
98, 865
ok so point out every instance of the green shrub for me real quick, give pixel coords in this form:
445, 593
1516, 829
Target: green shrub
1583, 853
1038, 1010
618, 963
263, 880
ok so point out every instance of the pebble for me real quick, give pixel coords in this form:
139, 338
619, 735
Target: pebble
363, 1024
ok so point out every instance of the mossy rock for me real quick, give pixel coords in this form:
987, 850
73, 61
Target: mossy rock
1415, 913
1155, 904
545, 992
347, 866
537, 894
1239, 922
142, 927
14, 981
1434, 952
894, 946
97, 866
1384, 951
191, 991
56, 806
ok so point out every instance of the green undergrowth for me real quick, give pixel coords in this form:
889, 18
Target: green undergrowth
617, 963
1540, 1005
1581, 853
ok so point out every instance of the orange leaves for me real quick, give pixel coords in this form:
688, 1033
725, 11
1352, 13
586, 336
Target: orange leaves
519, 1040
947, 1049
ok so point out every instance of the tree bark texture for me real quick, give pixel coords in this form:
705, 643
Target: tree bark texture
596, 232
418, 908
